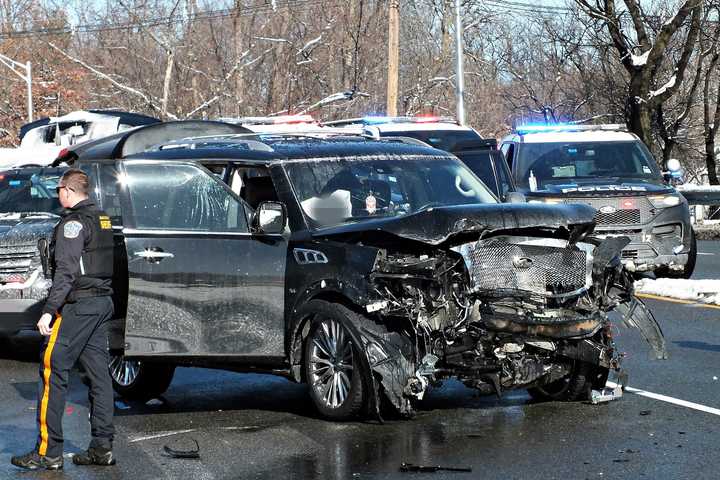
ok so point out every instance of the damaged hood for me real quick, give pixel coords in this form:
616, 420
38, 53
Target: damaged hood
25, 228
439, 225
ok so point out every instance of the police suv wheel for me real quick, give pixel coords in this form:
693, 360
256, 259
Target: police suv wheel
137, 380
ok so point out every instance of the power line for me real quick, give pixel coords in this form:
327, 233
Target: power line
531, 6
522, 9
159, 21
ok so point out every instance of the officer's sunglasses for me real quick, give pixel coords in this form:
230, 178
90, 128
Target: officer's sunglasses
59, 187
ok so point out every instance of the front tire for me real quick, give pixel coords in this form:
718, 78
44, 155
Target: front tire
332, 364
137, 380
573, 387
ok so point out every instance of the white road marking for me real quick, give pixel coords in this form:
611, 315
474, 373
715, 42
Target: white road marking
701, 253
665, 398
159, 435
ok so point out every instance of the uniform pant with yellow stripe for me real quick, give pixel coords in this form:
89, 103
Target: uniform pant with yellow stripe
79, 334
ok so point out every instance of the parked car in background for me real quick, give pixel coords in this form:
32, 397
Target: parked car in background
487, 162
42, 140
610, 169
278, 124
29, 211
444, 133
365, 269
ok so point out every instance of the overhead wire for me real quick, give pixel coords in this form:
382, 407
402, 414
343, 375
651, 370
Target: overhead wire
160, 21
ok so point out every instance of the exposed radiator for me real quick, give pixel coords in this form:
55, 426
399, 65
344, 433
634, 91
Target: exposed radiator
497, 265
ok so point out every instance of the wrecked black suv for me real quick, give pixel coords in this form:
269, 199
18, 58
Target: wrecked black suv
364, 269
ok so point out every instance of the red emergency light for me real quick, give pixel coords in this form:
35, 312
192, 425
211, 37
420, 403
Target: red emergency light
293, 119
628, 204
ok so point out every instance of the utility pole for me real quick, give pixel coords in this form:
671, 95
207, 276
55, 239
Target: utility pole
27, 77
239, 46
459, 65
393, 57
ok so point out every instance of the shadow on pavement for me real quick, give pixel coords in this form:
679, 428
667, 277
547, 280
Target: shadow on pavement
698, 346
23, 349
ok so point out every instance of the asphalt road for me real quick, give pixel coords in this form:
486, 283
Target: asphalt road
255, 426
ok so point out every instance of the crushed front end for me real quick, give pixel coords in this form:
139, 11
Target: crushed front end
527, 308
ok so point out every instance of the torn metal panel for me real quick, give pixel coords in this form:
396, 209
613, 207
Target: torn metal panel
635, 313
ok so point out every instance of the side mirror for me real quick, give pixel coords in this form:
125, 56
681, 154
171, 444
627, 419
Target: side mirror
269, 218
515, 197
673, 165
674, 173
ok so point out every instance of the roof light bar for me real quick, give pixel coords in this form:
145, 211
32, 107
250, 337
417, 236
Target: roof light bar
523, 129
279, 120
370, 120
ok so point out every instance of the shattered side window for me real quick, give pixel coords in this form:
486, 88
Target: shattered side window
340, 190
181, 197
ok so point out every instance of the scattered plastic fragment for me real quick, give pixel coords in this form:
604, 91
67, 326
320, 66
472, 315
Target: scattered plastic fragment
409, 467
121, 405
154, 402
184, 453
645, 412
606, 395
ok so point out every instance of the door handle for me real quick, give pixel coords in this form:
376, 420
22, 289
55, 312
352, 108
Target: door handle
154, 254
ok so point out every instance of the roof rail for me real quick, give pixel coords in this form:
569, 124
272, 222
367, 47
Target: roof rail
277, 120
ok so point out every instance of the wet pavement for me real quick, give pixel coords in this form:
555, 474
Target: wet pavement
257, 426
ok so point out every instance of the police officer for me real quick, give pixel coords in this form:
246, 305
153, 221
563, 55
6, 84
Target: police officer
74, 323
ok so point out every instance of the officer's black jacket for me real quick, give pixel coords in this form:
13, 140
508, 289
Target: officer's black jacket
82, 256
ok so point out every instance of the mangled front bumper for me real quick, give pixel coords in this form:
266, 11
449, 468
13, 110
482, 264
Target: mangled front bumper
550, 294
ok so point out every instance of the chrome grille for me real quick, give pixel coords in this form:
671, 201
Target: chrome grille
499, 265
643, 213
16, 259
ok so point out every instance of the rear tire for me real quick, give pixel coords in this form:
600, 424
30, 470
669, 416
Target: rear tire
689, 268
137, 380
573, 387
332, 366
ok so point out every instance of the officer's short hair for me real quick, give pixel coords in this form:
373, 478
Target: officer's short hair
76, 180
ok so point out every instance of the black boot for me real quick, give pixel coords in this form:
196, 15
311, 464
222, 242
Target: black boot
33, 461
94, 456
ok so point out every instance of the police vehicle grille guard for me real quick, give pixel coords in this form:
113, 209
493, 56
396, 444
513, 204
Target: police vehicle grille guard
16, 259
641, 214
551, 272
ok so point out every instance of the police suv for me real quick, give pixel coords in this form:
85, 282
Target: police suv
610, 169
444, 133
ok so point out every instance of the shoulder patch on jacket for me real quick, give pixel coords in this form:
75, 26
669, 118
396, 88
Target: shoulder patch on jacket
72, 229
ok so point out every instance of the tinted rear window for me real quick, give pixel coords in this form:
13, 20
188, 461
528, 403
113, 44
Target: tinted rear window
441, 139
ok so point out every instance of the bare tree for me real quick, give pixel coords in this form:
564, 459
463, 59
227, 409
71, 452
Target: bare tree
643, 52
710, 42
